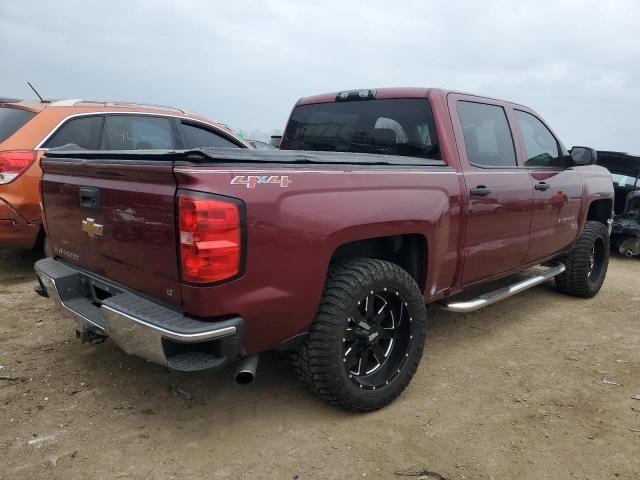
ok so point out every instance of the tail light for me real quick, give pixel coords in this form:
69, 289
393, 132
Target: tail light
210, 237
13, 163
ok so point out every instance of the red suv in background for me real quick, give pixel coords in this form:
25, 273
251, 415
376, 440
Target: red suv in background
29, 128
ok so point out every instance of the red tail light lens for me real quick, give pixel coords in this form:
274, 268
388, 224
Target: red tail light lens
14, 162
210, 238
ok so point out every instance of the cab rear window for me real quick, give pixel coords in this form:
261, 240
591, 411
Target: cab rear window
388, 126
11, 120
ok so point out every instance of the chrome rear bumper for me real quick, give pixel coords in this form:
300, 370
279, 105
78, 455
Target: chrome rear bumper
140, 327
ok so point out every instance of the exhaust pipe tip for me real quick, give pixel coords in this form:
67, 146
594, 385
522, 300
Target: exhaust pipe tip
245, 377
246, 371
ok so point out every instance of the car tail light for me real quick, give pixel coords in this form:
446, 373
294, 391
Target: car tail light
210, 237
14, 162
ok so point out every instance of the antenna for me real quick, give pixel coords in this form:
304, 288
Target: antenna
33, 88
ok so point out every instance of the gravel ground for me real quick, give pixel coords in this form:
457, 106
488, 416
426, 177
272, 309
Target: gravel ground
539, 386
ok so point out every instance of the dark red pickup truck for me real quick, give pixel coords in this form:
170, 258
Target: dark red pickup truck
378, 203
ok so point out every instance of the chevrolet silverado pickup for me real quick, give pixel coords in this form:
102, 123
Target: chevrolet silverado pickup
378, 203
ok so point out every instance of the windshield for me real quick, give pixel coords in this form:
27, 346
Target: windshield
11, 119
392, 127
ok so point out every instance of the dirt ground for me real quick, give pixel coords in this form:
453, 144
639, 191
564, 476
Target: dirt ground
537, 387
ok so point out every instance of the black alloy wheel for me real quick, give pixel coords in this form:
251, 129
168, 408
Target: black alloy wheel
377, 339
367, 339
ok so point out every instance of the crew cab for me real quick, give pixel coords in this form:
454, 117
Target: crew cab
378, 203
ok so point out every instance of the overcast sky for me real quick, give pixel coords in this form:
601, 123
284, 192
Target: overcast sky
245, 63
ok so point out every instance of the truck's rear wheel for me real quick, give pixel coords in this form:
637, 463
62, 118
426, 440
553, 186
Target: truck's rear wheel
587, 263
367, 340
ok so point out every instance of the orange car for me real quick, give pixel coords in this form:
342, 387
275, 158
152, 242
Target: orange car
29, 128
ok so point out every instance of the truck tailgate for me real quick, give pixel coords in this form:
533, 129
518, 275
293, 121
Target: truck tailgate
113, 214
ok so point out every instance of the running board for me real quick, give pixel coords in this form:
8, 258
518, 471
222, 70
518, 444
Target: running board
501, 293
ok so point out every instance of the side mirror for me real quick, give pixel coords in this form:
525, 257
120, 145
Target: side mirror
583, 156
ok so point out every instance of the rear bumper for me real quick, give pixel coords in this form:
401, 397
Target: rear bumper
139, 326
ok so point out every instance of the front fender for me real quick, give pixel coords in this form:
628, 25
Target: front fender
597, 185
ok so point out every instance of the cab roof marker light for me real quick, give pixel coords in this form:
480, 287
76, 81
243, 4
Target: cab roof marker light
364, 94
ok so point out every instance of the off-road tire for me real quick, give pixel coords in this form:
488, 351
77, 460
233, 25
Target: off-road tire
319, 361
581, 279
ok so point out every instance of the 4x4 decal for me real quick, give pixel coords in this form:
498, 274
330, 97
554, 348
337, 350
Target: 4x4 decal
252, 180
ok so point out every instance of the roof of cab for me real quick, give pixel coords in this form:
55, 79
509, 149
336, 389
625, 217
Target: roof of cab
396, 92
380, 93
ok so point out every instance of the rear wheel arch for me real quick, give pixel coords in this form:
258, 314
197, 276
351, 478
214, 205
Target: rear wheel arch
408, 251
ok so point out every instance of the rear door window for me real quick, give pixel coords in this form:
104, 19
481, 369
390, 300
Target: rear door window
82, 131
196, 136
487, 135
11, 120
540, 144
137, 132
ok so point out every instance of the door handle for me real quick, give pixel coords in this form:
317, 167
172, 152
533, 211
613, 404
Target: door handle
543, 186
89, 198
480, 191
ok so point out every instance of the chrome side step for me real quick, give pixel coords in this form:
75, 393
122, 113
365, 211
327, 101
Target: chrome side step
501, 293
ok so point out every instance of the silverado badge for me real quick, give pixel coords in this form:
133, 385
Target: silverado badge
93, 229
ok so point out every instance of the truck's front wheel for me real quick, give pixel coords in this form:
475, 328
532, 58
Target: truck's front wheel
367, 340
586, 265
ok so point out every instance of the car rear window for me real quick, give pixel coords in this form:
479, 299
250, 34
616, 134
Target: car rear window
195, 137
11, 120
387, 126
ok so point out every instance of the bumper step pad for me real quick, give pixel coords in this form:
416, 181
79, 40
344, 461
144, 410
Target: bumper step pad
195, 361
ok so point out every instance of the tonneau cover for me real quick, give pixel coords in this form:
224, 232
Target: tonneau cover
241, 155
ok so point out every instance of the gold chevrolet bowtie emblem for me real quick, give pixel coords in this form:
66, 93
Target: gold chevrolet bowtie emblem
92, 228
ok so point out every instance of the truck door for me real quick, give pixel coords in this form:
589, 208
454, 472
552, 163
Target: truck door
499, 191
557, 192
